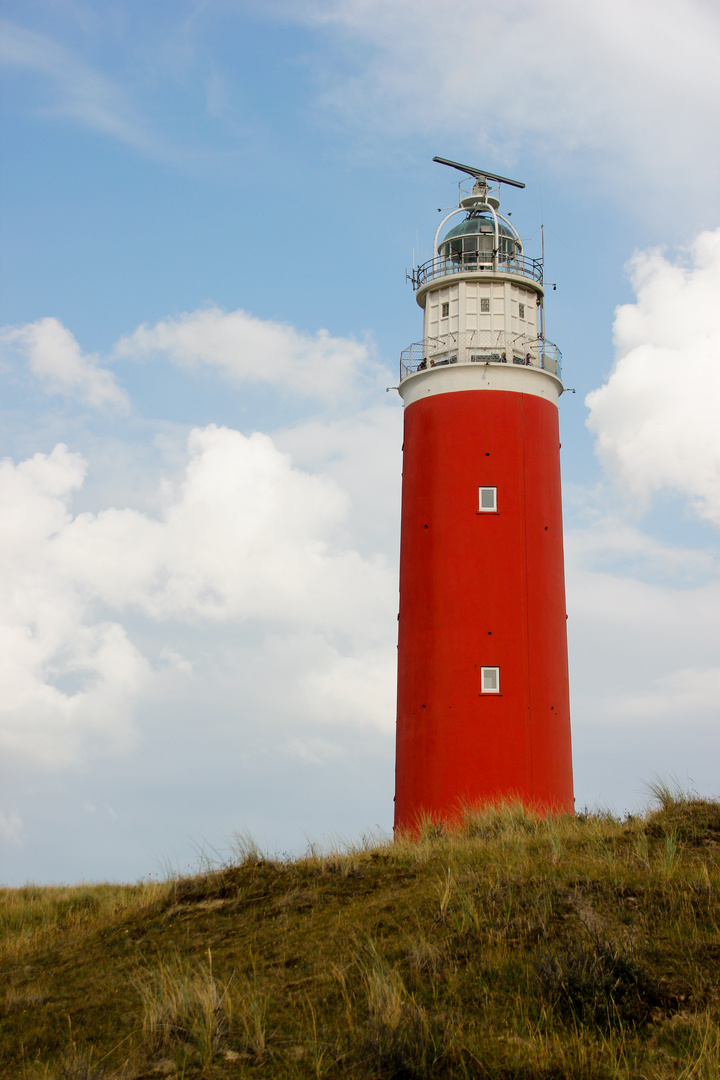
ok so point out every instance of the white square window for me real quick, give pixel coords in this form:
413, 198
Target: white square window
445, 311
522, 310
490, 680
487, 502
484, 303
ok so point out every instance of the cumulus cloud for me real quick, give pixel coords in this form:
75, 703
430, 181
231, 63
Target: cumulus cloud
237, 345
655, 419
67, 683
246, 535
241, 537
244, 348
361, 688
554, 76
362, 454
55, 358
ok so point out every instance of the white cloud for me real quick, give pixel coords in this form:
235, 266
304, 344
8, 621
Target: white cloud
244, 348
362, 454
655, 419
242, 537
67, 684
307, 681
55, 358
358, 689
246, 535
631, 82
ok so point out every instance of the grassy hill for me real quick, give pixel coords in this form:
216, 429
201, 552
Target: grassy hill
515, 947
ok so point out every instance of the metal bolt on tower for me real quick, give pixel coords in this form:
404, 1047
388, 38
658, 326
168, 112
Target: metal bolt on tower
483, 703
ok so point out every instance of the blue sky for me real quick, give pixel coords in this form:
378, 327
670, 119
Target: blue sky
208, 210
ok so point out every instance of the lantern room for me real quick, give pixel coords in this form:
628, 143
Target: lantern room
480, 240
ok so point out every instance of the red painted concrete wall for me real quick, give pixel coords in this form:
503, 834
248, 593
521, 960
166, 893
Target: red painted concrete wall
481, 589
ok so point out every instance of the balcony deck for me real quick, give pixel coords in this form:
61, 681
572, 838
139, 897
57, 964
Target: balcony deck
477, 263
481, 347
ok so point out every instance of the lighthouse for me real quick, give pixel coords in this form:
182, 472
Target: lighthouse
483, 712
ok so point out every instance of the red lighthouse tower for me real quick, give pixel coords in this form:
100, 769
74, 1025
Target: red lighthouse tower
483, 704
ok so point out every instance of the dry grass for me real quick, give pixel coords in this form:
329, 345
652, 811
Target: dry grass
184, 1004
33, 915
573, 948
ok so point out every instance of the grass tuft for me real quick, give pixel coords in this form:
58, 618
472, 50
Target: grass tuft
595, 982
184, 1004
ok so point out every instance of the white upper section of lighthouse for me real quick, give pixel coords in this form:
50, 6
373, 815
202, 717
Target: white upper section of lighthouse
482, 300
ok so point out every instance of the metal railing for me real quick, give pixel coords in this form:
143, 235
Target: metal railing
479, 262
481, 347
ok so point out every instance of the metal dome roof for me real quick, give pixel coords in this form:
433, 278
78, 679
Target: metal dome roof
475, 225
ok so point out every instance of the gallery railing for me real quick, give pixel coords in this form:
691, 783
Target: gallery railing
481, 347
480, 262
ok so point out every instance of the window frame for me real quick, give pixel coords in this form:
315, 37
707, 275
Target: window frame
489, 690
444, 309
487, 509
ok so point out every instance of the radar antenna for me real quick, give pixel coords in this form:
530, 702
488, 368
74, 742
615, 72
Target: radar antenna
479, 174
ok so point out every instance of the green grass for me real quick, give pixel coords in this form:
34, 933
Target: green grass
513, 948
